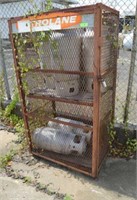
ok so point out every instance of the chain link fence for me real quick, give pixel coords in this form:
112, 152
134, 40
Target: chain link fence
126, 90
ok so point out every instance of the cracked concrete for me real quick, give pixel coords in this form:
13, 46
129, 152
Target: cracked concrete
11, 189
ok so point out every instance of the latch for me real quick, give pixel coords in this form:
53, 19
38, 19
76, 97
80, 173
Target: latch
103, 82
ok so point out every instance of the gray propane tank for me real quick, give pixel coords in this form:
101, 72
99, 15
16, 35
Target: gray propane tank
67, 54
88, 56
68, 58
48, 60
65, 57
73, 130
57, 141
46, 51
68, 50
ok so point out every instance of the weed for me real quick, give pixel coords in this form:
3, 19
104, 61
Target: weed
4, 160
2, 91
27, 179
12, 105
117, 149
67, 197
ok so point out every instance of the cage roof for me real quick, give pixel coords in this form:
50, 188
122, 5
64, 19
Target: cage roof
10, 1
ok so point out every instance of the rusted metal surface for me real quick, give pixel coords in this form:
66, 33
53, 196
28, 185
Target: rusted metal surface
80, 9
86, 127
20, 88
62, 72
96, 93
109, 66
65, 100
96, 110
77, 168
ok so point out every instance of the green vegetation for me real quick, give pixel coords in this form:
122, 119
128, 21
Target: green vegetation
2, 91
12, 105
27, 179
121, 149
67, 197
4, 160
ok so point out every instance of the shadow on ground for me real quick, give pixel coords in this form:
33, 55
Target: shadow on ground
116, 176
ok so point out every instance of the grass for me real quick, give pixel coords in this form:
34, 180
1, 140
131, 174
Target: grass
67, 197
4, 160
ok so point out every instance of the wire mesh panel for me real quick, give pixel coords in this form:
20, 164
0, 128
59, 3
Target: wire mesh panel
59, 74
109, 54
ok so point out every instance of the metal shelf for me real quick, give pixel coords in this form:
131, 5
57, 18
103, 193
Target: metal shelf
86, 127
72, 100
53, 71
69, 162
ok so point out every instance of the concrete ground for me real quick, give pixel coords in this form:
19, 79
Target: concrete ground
117, 179
7, 142
11, 189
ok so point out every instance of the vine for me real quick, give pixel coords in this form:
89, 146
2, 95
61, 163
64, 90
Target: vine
124, 149
32, 42
12, 105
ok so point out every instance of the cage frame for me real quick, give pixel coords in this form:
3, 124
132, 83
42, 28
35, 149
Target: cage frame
97, 75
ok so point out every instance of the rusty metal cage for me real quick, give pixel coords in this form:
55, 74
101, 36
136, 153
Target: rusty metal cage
65, 63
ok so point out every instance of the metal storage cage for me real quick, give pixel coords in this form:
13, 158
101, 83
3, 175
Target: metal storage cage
67, 61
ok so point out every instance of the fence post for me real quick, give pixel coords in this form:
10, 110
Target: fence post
131, 71
4, 71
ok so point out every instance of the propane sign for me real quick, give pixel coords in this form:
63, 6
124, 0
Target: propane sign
45, 23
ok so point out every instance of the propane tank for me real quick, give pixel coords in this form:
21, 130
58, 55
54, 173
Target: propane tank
73, 130
48, 59
47, 51
67, 88
66, 56
57, 141
68, 50
88, 49
88, 56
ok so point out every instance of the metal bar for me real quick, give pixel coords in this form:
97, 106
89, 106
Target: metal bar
103, 136
70, 101
67, 12
109, 9
4, 70
84, 120
107, 71
96, 93
62, 72
77, 168
10, 1
85, 127
20, 87
131, 72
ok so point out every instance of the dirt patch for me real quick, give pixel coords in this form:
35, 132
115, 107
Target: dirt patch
7, 142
